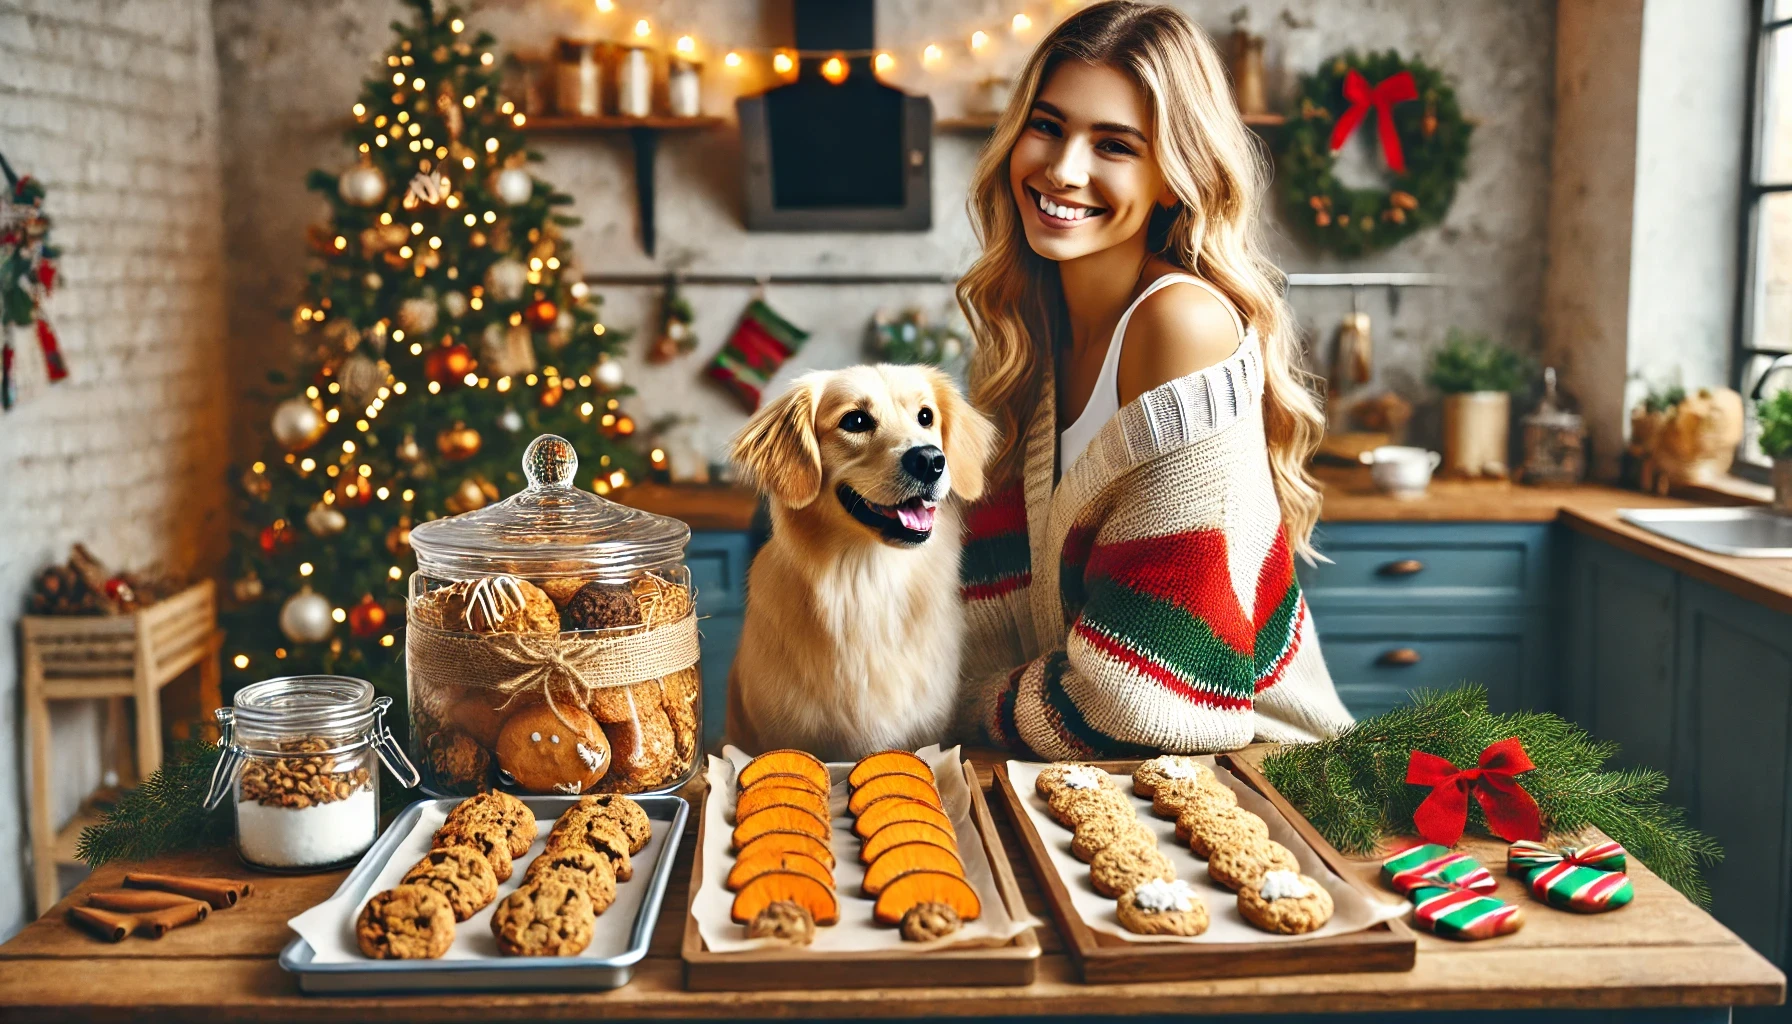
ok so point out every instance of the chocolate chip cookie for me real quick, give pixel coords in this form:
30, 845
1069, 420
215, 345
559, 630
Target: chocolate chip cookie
1128, 865
1162, 908
1236, 865
486, 837
460, 873
626, 813
548, 917
587, 867
598, 834
1286, 903
501, 809
410, 922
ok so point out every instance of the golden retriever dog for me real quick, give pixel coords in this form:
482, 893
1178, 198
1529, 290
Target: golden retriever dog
853, 627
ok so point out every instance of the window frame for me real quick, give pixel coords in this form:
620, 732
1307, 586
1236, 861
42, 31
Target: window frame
1744, 351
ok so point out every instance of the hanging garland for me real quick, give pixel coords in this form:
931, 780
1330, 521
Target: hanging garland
1419, 130
27, 273
1414, 770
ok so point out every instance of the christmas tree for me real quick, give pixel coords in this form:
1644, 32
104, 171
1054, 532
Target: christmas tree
445, 328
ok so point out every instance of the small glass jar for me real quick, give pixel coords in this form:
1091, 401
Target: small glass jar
684, 88
634, 82
1555, 441
551, 644
298, 760
578, 80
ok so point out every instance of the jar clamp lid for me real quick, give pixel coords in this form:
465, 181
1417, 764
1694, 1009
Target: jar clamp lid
298, 706
552, 528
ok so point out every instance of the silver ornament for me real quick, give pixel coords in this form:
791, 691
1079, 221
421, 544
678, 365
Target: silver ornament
417, 316
510, 421
456, 304
362, 185
325, 520
565, 322
409, 451
373, 281
360, 378
507, 351
305, 617
297, 424
506, 280
608, 374
514, 186
247, 589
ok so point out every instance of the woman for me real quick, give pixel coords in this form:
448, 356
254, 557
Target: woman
1129, 582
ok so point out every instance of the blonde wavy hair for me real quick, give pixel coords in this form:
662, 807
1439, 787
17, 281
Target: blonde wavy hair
1011, 295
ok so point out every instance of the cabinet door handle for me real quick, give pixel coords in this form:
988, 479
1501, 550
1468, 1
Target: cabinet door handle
1399, 656
1404, 567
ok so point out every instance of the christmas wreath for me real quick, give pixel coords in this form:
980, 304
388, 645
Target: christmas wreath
1419, 129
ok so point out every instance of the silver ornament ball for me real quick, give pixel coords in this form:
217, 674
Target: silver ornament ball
417, 316
514, 186
456, 304
608, 374
362, 185
297, 424
325, 520
305, 617
506, 279
510, 421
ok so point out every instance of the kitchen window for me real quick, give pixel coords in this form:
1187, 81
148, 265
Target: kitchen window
1764, 314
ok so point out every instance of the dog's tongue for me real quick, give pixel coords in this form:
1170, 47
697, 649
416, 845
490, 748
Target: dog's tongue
915, 516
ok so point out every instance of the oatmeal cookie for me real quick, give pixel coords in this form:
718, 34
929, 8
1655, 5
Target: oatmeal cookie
1171, 796
1072, 776
646, 750
1164, 768
1204, 826
1126, 865
484, 836
498, 808
1162, 908
1286, 903
460, 873
1069, 807
1236, 865
624, 812
587, 867
410, 922
548, 917
1097, 833
600, 835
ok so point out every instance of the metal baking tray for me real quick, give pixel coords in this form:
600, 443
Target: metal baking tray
498, 974
1738, 532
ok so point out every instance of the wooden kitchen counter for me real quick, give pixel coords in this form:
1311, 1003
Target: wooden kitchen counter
701, 506
1591, 509
1661, 951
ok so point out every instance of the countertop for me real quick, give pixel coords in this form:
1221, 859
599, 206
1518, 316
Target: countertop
1660, 951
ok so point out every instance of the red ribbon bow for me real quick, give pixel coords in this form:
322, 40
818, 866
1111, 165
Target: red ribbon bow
1511, 812
1396, 88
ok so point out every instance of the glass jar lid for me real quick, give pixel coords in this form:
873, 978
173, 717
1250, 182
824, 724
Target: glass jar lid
551, 528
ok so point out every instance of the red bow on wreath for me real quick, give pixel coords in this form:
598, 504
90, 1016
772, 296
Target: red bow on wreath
1396, 88
1511, 812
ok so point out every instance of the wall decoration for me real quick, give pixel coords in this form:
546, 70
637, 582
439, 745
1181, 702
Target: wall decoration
27, 273
761, 342
1419, 130
677, 336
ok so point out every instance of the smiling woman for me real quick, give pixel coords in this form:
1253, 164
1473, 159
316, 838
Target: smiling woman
1136, 352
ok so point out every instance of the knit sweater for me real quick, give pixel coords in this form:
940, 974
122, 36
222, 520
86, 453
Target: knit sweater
1147, 601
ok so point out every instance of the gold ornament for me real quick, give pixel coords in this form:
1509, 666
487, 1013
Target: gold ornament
361, 378
458, 442
507, 352
325, 520
256, 485
297, 424
471, 494
352, 489
362, 185
247, 589
409, 451
418, 315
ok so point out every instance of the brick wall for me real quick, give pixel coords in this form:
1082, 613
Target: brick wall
113, 104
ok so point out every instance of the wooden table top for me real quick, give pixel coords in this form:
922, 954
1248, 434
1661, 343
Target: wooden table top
1660, 951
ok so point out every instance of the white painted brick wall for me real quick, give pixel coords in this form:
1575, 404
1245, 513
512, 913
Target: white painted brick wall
114, 105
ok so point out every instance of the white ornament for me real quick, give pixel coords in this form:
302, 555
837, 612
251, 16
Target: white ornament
506, 279
510, 421
456, 304
360, 378
362, 185
514, 186
373, 281
608, 374
565, 322
305, 617
417, 316
325, 520
1282, 885
297, 424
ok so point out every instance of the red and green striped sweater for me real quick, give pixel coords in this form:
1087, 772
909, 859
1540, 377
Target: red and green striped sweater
1147, 601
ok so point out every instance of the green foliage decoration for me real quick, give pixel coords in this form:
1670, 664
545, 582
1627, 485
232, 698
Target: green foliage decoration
164, 814
1775, 416
1469, 362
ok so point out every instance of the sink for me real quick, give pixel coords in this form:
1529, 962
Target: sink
1741, 532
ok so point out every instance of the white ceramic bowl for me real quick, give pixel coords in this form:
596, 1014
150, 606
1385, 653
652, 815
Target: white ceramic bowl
1399, 470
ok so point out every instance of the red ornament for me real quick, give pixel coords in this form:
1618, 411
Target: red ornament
541, 314
1397, 88
1512, 813
367, 617
352, 489
550, 396
275, 537
448, 364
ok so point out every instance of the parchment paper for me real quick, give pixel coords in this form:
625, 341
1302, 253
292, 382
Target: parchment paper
1352, 910
856, 931
330, 926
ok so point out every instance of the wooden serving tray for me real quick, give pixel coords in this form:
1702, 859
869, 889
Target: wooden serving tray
775, 969
1103, 958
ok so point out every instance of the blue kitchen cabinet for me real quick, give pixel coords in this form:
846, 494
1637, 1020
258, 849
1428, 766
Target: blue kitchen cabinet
718, 562
1618, 666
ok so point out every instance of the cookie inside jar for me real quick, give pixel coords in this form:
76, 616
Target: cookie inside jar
552, 643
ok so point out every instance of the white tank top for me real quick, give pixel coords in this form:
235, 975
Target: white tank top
1104, 401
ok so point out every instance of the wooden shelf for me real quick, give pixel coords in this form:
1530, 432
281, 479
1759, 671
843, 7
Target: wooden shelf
570, 124
984, 123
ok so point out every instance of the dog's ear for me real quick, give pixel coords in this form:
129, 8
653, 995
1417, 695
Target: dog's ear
777, 449
966, 434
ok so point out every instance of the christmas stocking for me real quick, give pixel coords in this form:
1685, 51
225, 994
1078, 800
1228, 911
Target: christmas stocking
761, 342
1448, 890
1588, 880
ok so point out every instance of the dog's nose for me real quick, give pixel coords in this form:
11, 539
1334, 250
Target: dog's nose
924, 462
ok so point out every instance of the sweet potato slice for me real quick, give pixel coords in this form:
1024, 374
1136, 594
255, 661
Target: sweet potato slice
779, 818
763, 796
794, 762
898, 808
788, 780
884, 786
889, 762
787, 842
772, 886
910, 888
748, 868
900, 832
905, 857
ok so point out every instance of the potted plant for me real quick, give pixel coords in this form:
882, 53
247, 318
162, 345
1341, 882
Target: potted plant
1477, 378
1775, 417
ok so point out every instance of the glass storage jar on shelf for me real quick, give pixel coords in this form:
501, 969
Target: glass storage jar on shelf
551, 645
298, 759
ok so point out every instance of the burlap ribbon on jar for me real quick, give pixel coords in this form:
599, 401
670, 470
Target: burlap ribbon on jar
570, 666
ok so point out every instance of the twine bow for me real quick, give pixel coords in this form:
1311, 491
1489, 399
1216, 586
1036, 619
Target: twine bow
1526, 856
1511, 812
1396, 88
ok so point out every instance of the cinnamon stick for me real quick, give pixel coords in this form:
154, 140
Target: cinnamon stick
156, 923
103, 923
139, 901
221, 893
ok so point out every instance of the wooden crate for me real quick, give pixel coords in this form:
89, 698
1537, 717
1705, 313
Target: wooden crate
1389, 946
773, 969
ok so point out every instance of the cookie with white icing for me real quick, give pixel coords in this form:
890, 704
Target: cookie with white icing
553, 750
1285, 902
1161, 907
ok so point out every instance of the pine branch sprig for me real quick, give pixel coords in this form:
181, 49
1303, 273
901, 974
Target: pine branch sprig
163, 814
1353, 787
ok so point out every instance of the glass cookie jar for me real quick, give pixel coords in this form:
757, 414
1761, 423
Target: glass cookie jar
298, 759
551, 643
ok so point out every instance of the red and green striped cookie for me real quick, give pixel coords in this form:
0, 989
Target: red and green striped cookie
1452, 913
1429, 864
1588, 879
